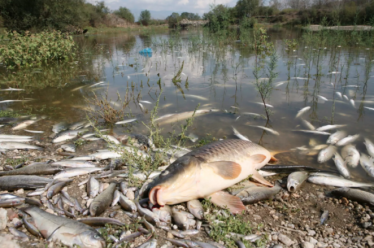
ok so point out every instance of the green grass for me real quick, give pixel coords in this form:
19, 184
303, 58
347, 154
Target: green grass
15, 161
9, 113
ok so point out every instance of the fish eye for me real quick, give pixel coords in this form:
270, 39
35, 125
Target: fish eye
97, 236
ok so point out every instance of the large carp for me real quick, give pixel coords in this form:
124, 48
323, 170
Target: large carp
204, 172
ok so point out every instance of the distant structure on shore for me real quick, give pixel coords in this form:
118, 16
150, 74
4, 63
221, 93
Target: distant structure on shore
185, 23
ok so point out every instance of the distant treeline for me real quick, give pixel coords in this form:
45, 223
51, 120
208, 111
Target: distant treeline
65, 15
330, 12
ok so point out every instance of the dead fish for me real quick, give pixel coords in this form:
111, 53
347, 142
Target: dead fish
355, 195
369, 147
127, 204
307, 124
352, 103
255, 115
125, 121
182, 116
8, 200
266, 129
322, 98
341, 165
101, 221
68, 135
196, 208
339, 95
150, 244
296, 179
18, 146
79, 125
182, 219
347, 140
324, 217
115, 197
61, 126
111, 139
7, 101
163, 213
335, 137
147, 102
93, 187
367, 164
351, 155
239, 135
29, 224
56, 188
34, 169
33, 131
196, 97
103, 200
23, 182
73, 172
69, 147
329, 127
332, 180
326, 154
267, 105
12, 89
67, 231
207, 170
74, 164
312, 132
24, 124
146, 213
253, 194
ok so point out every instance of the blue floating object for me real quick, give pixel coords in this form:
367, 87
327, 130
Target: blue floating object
146, 52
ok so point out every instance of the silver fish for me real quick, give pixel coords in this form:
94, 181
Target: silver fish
182, 219
307, 124
331, 180
367, 164
196, 208
326, 154
296, 179
347, 140
61, 126
355, 195
33, 131
23, 181
19, 146
335, 137
239, 135
115, 197
312, 132
351, 155
93, 187
341, 166
329, 127
69, 147
322, 98
68, 135
75, 172
103, 200
339, 95
24, 124
74, 164
255, 194
266, 129
67, 231
352, 103
369, 147
127, 204
125, 121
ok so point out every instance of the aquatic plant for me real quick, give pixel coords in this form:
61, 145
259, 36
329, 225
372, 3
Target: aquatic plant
36, 49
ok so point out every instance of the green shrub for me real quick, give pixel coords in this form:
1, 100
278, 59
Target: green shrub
125, 13
35, 49
248, 22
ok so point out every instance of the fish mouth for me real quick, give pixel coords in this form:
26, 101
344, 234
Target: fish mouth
153, 195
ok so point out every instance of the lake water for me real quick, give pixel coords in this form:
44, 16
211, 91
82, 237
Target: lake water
220, 77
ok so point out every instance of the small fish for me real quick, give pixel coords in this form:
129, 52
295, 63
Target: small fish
69, 147
23, 182
329, 127
111, 139
334, 72
127, 204
99, 83
196, 208
369, 108
59, 127
335, 137
369, 147
142, 107
326, 154
147, 102
332, 180
255, 194
295, 180
125, 121
93, 187
367, 164
33, 131
78, 88
324, 217
339, 95
346, 97
355, 195
239, 135
115, 197
74, 164
352, 103
254, 114
341, 166
351, 155
281, 83
302, 111
196, 97
323, 98
68, 135
266, 129
19, 146
299, 78
101, 221
6, 101
307, 124
11, 89
312, 132
24, 124
182, 219
267, 105
73, 172
347, 140
103, 200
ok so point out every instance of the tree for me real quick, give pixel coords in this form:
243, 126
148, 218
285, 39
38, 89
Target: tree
247, 8
125, 13
173, 20
145, 17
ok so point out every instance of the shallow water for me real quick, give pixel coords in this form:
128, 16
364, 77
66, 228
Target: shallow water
219, 77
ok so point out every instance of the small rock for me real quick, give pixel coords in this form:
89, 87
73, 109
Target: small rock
321, 245
20, 192
255, 216
130, 194
277, 246
285, 240
307, 245
170, 235
366, 224
7, 240
313, 241
274, 237
336, 245
3, 218
330, 230
311, 232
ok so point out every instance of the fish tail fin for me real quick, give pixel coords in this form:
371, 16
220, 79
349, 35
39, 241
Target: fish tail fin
273, 159
224, 199
256, 175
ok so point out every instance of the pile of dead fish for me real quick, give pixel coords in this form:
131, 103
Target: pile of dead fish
186, 177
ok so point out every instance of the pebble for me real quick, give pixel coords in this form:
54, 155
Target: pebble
313, 241
285, 240
3, 218
311, 232
307, 245
7, 240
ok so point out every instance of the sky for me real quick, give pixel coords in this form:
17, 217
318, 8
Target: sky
160, 9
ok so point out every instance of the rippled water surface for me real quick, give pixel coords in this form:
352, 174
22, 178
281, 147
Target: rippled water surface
217, 77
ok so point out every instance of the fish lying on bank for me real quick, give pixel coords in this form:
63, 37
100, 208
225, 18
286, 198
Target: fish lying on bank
207, 170
73, 172
61, 126
266, 129
302, 111
255, 194
23, 182
69, 147
326, 154
183, 116
25, 124
33, 131
347, 140
355, 195
296, 179
329, 127
18, 146
9, 200
34, 169
369, 147
74, 164
351, 155
102, 201
312, 132
125, 121
367, 164
67, 231
68, 135
6, 101
331, 180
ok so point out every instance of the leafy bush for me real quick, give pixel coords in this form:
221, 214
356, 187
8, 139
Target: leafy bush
145, 17
125, 13
248, 22
34, 49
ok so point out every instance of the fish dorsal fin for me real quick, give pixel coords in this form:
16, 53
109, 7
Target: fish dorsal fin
226, 169
225, 200
260, 179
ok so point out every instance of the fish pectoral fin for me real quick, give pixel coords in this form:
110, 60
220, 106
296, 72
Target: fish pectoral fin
225, 200
256, 176
226, 169
258, 158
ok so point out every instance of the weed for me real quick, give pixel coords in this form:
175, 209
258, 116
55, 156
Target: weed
15, 161
80, 142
